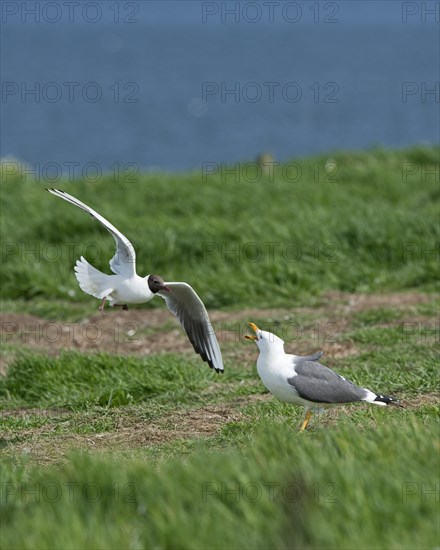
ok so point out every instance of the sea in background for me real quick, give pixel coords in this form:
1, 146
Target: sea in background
173, 85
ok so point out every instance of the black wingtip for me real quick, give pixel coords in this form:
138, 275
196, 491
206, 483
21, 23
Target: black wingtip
205, 358
211, 366
388, 400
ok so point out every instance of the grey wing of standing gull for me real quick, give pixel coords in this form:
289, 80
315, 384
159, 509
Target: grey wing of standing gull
313, 357
317, 383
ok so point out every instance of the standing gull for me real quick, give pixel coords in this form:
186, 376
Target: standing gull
304, 381
126, 287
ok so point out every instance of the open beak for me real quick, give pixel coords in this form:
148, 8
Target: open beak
255, 329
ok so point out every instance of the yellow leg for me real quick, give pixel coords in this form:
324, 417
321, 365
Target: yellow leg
306, 421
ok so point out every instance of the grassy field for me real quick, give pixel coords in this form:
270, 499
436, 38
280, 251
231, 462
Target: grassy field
369, 223
114, 435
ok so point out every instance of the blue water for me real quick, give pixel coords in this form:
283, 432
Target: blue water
337, 82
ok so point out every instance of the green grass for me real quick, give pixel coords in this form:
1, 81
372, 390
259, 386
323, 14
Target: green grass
329, 489
103, 447
51, 309
370, 228
377, 315
101, 450
77, 380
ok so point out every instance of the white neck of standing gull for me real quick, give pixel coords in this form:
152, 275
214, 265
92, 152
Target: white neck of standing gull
269, 344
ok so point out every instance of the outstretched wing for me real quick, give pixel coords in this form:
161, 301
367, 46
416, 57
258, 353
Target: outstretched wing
124, 260
183, 301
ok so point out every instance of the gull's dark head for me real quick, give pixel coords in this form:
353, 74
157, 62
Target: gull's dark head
156, 283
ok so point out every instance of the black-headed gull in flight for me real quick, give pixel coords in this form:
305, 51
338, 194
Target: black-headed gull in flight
304, 381
126, 287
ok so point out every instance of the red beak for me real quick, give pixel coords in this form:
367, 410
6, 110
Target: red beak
165, 288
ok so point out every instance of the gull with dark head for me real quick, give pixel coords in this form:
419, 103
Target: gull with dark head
126, 287
304, 381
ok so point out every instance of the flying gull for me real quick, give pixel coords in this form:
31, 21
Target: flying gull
304, 381
126, 287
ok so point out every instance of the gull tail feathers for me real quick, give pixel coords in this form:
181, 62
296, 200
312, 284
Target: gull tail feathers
92, 281
382, 400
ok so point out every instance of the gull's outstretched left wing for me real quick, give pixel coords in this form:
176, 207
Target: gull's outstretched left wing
183, 301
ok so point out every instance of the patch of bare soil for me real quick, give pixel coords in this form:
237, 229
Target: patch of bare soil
130, 433
24, 412
151, 331
423, 399
45, 447
362, 302
181, 425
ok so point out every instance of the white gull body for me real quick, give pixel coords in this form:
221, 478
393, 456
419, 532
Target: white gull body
304, 381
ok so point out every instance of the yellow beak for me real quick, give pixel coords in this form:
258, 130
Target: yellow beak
255, 329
